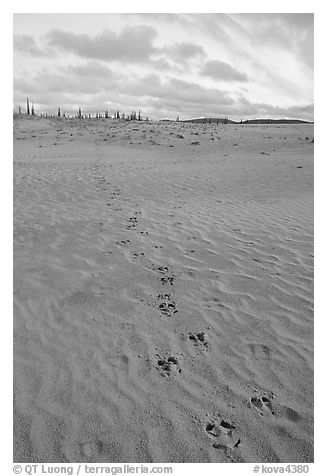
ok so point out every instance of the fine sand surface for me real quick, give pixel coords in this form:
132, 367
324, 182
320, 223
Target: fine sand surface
163, 292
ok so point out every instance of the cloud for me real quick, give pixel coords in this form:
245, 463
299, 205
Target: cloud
194, 93
93, 79
252, 109
182, 52
85, 79
221, 71
305, 110
91, 70
132, 44
292, 32
162, 64
173, 89
27, 45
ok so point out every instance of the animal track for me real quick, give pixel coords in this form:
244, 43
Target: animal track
132, 223
223, 432
123, 242
138, 255
198, 338
163, 269
262, 404
167, 307
168, 277
115, 194
168, 364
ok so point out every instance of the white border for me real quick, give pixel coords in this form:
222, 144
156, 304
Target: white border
168, 6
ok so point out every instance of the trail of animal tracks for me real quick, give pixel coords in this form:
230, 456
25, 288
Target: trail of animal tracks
163, 292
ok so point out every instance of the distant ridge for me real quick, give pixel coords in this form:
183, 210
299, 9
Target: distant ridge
211, 120
219, 120
276, 121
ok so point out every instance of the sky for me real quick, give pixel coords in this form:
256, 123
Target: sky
242, 66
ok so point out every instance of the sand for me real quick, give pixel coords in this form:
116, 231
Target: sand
163, 292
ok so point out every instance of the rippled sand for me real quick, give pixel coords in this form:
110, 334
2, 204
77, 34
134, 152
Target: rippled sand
163, 292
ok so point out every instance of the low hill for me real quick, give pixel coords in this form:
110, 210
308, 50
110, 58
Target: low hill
219, 120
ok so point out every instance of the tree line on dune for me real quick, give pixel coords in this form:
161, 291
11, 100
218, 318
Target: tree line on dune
133, 116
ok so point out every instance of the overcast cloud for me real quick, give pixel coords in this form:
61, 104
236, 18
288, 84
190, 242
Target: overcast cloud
191, 65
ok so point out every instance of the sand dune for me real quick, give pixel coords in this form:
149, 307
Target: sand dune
163, 292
